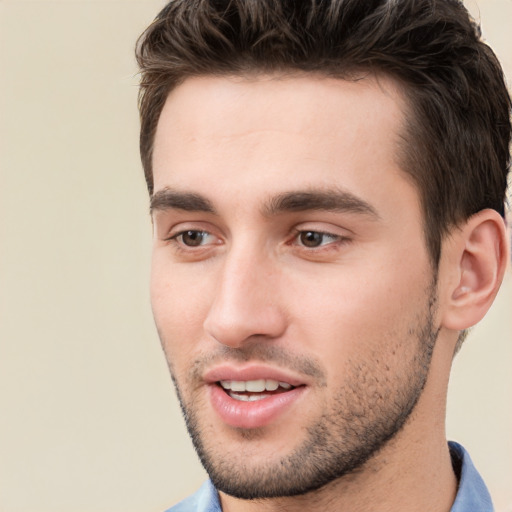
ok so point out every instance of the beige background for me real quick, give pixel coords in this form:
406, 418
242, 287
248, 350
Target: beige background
88, 419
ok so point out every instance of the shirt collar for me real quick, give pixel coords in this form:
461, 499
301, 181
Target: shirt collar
472, 493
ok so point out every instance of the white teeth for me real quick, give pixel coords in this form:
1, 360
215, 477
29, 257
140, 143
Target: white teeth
237, 385
271, 385
248, 398
254, 386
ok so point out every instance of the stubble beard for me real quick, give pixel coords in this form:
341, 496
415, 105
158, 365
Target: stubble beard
355, 428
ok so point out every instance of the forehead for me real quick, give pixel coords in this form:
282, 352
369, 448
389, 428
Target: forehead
265, 131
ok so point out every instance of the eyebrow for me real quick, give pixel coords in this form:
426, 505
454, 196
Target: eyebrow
294, 201
322, 200
167, 199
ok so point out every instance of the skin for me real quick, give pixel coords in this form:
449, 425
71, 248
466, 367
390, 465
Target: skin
353, 319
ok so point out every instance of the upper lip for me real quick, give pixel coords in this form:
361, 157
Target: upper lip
250, 372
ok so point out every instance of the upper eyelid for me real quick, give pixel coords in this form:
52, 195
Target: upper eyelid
328, 226
182, 226
181, 232
175, 228
331, 230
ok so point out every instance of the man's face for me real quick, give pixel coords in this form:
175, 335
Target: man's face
291, 285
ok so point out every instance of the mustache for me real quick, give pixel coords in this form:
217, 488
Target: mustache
261, 353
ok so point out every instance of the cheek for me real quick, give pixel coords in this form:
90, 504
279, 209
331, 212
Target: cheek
180, 304
363, 315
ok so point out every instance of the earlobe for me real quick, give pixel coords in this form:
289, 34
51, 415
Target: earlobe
478, 257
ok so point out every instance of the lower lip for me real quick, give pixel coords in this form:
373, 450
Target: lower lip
255, 414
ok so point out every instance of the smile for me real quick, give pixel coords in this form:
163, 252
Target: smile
253, 390
253, 395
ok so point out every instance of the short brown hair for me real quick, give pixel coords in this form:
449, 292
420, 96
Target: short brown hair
456, 144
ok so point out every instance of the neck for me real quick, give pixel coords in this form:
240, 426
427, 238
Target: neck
426, 482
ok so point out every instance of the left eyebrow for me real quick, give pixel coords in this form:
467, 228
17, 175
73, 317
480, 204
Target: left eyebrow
322, 200
168, 199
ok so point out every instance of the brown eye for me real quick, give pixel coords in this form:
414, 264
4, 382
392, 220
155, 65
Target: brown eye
193, 238
311, 238
314, 239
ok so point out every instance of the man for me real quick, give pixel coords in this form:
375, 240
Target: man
327, 183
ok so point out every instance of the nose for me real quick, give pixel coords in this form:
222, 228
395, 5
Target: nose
247, 303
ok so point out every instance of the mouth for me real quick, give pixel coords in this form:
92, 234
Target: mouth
254, 390
253, 396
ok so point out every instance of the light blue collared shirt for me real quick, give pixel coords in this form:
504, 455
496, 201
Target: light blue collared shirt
472, 495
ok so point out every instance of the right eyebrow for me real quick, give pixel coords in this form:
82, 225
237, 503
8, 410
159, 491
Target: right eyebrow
320, 200
168, 199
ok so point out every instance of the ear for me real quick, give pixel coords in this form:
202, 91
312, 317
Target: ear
475, 260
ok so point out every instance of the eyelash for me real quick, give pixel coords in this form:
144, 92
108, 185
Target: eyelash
318, 234
177, 239
180, 243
